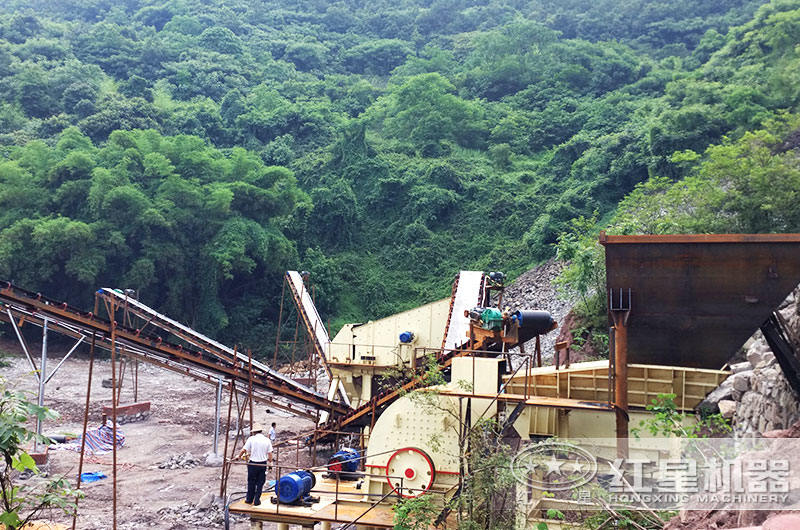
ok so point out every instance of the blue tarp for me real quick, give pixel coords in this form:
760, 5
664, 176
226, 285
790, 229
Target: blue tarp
93, 476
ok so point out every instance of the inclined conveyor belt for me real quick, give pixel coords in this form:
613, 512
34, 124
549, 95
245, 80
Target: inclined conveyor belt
204, 359
186, 333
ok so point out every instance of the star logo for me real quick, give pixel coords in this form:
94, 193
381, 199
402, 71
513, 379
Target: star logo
574, 466
553, 465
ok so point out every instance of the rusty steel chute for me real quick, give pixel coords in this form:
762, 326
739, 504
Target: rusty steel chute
696, 299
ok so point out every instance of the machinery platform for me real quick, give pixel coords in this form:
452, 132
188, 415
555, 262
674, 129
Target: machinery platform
346, 503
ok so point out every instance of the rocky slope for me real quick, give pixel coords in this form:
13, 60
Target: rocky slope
535, 290
757, 397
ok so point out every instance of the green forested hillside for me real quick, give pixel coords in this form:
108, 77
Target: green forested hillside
194, 150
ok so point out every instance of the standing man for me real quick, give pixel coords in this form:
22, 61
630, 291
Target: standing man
258, 452
272, 433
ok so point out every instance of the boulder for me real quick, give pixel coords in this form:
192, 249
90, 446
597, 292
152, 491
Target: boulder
205, 501
723, 391
789, 521
740, 367
754, 356
107, 383
741, 381
727, 408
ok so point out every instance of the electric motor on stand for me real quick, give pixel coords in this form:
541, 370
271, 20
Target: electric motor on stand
295, 488
344, 464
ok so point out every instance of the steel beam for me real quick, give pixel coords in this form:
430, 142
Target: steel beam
216, 416
22, 343
75, 347
42, 381
621, 381
75, 323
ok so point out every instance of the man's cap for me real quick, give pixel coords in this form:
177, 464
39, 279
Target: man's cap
255, 427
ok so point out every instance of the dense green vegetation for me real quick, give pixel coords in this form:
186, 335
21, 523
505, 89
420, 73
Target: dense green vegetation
194, 150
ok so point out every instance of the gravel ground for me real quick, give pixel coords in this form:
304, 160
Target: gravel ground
182, 421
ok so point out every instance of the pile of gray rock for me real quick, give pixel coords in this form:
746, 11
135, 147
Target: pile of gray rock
180, 461
209, 512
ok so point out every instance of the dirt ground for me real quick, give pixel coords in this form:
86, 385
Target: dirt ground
182, 420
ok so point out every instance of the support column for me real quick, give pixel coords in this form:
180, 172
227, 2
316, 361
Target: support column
282, 526
620, 310
113, 332
326, 525
621, 381
136, 382
216, 416
42, 381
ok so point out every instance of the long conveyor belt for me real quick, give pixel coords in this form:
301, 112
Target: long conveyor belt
202, 358
315, 328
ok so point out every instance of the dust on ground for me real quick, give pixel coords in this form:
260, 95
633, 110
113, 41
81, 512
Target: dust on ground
182, 421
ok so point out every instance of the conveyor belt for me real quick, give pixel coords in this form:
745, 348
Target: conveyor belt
315, 328
208, 360
204, 359
195, 338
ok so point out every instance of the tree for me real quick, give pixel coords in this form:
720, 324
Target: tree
306, 56
22, 502
425, 110
221, 40
377, 57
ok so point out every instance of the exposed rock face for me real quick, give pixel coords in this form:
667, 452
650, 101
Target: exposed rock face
767, 403
757, 396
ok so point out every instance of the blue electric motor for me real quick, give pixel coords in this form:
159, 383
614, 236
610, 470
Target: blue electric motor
295, 486
407, 337
345, 460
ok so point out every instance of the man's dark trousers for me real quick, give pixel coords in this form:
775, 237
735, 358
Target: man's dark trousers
256, 475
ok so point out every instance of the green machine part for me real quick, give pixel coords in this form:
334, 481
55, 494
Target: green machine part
492, 319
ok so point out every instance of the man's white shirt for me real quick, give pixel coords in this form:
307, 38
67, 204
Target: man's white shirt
258, 447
